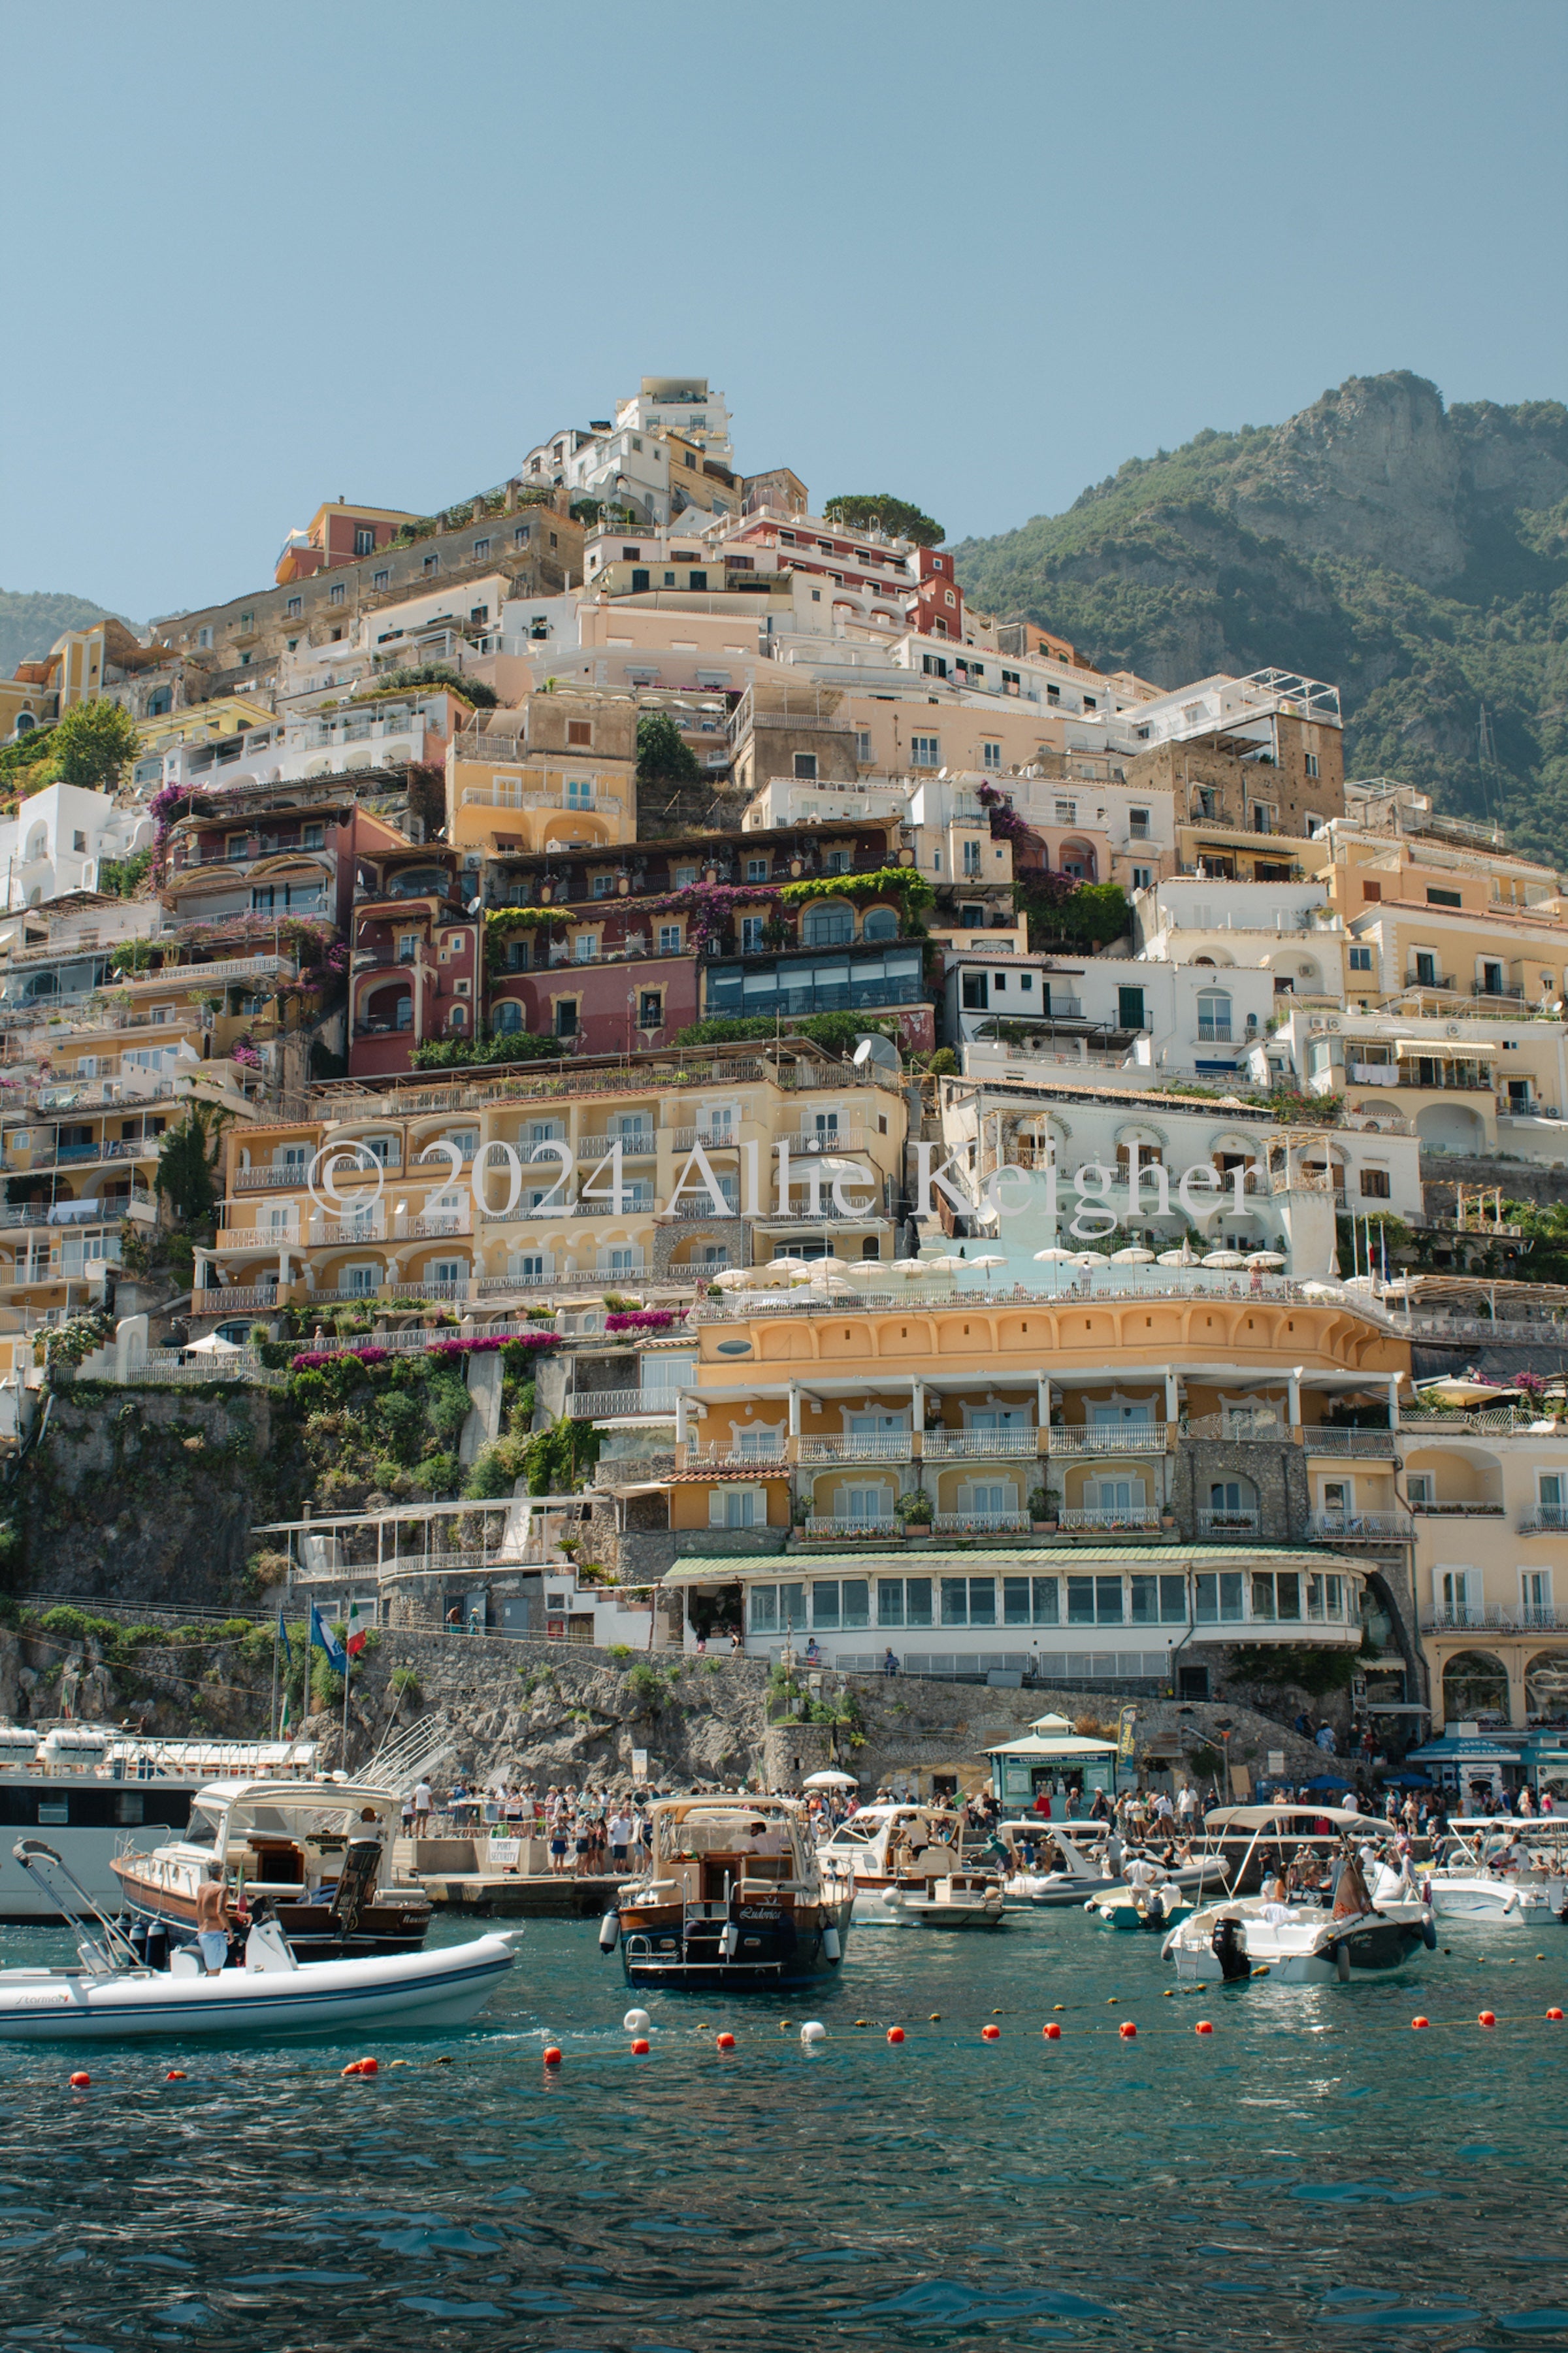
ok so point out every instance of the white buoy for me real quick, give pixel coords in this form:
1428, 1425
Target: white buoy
637, 2022
813, 2031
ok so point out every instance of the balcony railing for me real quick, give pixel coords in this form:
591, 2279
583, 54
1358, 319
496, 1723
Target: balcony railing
1317, 1439
1361, 1527
734, 1457
604, 1405
1551, 1520
236, 1299
1497, 1618
500, 797
681, 1139
264, 1180
1227, 1523
982, 1523
638, 1144
979, 1445
846, 1524
872, 1446
1465, 1511
1110, 1516
1125, 1438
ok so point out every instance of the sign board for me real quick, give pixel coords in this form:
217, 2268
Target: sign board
1276, 1761
505, 1853
1240, 1782
1125, 1724
639, 1764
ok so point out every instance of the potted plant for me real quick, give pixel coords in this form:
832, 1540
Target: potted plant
915, 1511
1042, 1510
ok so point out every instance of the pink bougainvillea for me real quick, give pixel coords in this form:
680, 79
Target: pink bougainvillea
311, 1359
645, 1319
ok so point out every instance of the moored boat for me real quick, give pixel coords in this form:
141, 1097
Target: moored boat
1357, 1934
889, 1849
733, 1897
960, 1899
313, 1855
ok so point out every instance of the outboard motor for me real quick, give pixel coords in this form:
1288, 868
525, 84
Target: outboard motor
1227, 1945
157, 1946
356, 1883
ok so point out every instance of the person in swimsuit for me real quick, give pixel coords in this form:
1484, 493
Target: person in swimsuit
212, 1919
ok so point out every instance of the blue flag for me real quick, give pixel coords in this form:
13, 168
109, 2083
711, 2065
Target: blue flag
283, 1638
323, 1637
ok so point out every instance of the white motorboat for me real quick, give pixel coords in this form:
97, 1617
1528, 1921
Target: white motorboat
1359, 1934
1497, 1874
111, 1996
961, 1899
892, 1848
1070, 1875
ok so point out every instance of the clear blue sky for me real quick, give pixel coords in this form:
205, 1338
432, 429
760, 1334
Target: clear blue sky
978, 255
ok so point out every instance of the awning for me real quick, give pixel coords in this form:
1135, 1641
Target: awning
1463, 1051
1056, 1751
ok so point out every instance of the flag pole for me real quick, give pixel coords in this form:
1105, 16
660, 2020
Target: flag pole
348, 1671
272, 1710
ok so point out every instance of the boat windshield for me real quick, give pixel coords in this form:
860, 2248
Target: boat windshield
201, 1828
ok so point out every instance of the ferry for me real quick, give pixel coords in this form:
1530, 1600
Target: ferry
734, 1899
93, 1791
313, 1856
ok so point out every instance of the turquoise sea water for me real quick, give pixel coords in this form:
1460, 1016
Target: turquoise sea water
1313, 2175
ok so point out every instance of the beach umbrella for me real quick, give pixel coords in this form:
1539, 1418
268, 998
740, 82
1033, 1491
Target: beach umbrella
948, 1265
795, 1268
1321, 1290
834, 1285
906, 1266
736, 1278
1265, 1258
1183, 1257
1056, 1257
830, 1779
987, 1259
1090, 1258
829, 1265
1224, 1258
1133, 1257
213, 1346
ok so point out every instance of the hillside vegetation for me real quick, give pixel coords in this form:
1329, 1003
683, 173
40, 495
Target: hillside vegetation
31, 621
1414, 555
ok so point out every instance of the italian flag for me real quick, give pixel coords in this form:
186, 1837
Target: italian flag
355, 1634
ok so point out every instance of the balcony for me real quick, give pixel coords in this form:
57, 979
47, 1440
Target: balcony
1125, 1438
510, 797
262, 1180
1367, 1442
639, 1143
756, 1455
1467, 1510
846, 1525
1497, 1618
1549, 1520
1361, 1527
979, 1445
982, 1523
1107, 1516
1236, 1524
873, 1446
712, 1139
605, 1405
237, 1299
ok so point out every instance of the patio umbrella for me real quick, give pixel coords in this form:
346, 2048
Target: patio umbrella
1265, 1258
795, 1268
987, 1259
1136, 1256
1183, 1257
906, 1266
829, 1265
1056, 1257
1321, 1290
736, 1278
948, 1265
213, 1346
1090, 1258
1224, 1258
838, 1285
830, 1779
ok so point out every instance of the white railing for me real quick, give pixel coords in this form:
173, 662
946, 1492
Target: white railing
846, 1524
735, 1457
235, 1299
875, 1446
259, 1180
637, 1145
1320, 1440
987, 1524
530, 798
1499, 1617
1107, 1516
1125, 1437
603, 1405
1363, 1527
1227, 1523
1548, 1522
972, 1445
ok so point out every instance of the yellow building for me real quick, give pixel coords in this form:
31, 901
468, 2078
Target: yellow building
560, 769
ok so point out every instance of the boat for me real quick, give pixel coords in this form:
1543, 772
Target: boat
1156, 1905
959, 1899
1242, 1843
1497, 1874
890, 1847
91, 1791
732, 1898
1069, 1876
113, 1994
1357, 1934
313, 1855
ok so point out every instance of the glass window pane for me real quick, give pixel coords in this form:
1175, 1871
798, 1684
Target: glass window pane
1287, 1594
889, 1601
824, 1601
764, 1609
1173, 1600
1080, 1601
1263, 1597
1336, 1588
916, 1602
1047, 1602
1206, 1591
1015, 1601
956, 1601
1108, 1600
791, 1604
982, 1601
856, 1601
1145, 1608
1232, 1606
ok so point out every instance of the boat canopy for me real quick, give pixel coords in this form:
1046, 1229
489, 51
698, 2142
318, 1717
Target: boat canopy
1258, 1817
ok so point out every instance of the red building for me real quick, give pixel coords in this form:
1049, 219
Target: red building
418, 972
337, 533
937, 610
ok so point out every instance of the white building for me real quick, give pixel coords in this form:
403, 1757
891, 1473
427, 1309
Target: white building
1194, 1019
1286, 929
56, 839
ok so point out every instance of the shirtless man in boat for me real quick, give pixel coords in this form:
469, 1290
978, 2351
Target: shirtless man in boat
212, 1919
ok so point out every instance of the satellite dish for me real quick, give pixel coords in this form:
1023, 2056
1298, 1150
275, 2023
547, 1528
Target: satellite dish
475, 905
874, 1048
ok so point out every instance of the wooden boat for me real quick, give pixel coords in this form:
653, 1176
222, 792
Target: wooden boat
312, 1855
733, 1898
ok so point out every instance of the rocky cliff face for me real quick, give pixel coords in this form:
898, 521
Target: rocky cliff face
1413, 555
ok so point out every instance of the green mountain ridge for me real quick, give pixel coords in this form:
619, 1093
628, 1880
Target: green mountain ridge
1414, 555
31, 619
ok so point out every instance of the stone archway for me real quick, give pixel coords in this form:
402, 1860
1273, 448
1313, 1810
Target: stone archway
1475, 1683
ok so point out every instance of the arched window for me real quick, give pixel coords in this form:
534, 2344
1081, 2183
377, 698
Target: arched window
1213, 1013
881, 924
38, 843
508, 1018
1233, 1503
388, 1009
457, 1018
828, 924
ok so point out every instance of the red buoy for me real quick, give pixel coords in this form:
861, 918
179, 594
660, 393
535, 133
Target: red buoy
1554, 2014
640, 2048
369, 2067
990, 2034
80, 2080
726, 2043
895, 2033
1051, 2031
1127, 2030
552, 2056
1419, 2021
1204, 2026
1487, 2018
175, 2076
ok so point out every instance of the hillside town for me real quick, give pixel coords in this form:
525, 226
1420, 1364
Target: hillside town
892, 1152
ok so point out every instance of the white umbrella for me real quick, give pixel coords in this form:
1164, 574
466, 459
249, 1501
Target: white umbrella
1136, 1256
834, 1285
1183, 1257
948, 1265
736, 1278
830, 1780
829, 1265
1265, 1258
907, 1266
1321, 1289
213, 1346
1224, 1258
795, 1267
987, 1259
1090, 1258
1056, 1257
